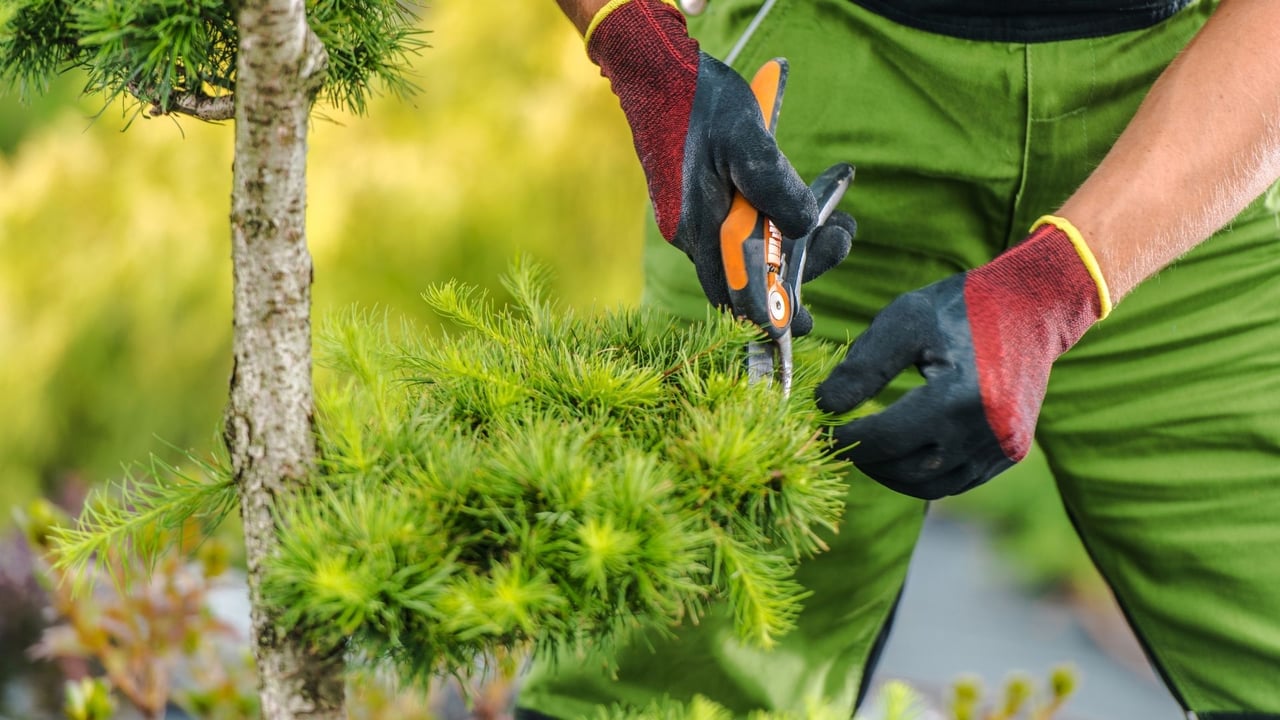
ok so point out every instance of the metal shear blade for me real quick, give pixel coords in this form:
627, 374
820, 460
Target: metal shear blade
771, 359
768, 360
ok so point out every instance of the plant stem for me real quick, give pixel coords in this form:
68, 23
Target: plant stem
281, 66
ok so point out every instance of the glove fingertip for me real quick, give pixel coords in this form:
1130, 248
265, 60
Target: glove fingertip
802, 323
844, 221
829, 247
837, 394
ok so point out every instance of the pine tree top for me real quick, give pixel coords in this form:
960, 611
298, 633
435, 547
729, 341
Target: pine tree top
179, 56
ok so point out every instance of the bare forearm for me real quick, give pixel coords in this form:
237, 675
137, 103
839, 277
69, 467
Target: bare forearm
580, 12
1204, 143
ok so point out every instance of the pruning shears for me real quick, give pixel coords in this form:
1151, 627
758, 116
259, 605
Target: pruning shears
763, 269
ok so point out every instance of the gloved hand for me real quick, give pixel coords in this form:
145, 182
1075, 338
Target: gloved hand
699, 134
984, 341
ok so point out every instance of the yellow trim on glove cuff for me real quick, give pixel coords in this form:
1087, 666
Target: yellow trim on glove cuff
1086, 256
603, 12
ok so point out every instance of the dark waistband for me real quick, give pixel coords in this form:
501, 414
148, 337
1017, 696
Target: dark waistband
1026, 21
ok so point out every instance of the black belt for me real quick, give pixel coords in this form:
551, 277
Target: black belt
1025, 21
1020, 21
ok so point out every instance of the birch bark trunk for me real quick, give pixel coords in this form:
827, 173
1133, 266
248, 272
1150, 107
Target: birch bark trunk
269, 414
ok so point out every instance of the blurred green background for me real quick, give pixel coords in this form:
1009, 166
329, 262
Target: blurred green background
115, 272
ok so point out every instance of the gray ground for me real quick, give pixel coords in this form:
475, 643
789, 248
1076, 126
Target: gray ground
962, 613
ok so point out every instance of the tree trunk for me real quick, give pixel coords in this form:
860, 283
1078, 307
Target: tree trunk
269, 415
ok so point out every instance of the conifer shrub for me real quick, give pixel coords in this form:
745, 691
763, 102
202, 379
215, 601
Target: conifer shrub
526, 479
535, 478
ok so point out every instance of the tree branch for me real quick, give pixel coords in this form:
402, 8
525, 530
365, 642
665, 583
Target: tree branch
200, 105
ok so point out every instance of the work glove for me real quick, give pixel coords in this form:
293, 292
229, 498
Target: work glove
984, 342
700, 135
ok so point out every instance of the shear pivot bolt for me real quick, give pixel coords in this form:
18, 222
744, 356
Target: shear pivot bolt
777, 308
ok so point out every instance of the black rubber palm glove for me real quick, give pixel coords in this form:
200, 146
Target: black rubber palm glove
699, 134
984, 342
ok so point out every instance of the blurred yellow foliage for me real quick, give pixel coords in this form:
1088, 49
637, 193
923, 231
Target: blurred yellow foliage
115, 298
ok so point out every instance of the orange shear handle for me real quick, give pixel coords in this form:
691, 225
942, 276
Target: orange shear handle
750, 244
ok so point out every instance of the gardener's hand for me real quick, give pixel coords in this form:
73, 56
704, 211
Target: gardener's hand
984, 341
699, 134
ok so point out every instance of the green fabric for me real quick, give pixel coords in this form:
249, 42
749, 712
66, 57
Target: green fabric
1161, 427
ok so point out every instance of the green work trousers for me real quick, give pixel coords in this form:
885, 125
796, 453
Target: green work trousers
1161, 428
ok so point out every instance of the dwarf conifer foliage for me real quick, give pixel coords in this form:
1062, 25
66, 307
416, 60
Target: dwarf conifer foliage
179, 56
541, 478
534, 479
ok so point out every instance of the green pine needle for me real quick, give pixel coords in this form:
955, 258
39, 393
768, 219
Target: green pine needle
142, 519
556, 480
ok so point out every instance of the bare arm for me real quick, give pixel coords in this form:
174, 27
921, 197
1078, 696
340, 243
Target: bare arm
580, 12
1204, 143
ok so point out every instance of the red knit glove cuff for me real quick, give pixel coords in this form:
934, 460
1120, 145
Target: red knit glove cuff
1026, 308
640, 31
644, 48
1044, 278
